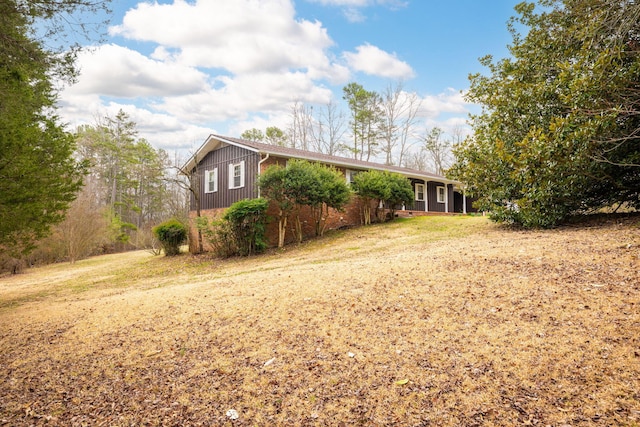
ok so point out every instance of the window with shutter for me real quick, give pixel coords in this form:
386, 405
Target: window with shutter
236, 175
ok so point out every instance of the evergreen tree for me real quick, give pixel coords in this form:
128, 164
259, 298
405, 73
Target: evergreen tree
39, 177
559, 133
366, 120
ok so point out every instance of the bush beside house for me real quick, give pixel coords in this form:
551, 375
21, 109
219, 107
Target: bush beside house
171, 234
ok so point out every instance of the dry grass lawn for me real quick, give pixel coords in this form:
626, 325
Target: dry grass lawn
443, 321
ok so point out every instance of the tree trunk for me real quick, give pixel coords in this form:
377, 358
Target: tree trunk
298, 225
282, 229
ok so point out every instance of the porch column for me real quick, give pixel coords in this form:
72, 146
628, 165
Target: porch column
446, 198
426, 196
464, 203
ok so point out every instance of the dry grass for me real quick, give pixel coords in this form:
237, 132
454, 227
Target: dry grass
431, 321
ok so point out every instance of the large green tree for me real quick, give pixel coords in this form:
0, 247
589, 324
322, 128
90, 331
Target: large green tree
39, 177
558, 134
303, 183
366, 120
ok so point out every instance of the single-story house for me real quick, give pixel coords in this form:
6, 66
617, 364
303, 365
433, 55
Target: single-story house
225, 170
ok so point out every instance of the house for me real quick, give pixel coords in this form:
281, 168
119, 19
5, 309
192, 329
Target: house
224, 170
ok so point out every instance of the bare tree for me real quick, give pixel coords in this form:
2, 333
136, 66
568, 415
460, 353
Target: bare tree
458, 134
301, 128
418, 159
399, 117
84, 228
411, 105
330, 130
438, 149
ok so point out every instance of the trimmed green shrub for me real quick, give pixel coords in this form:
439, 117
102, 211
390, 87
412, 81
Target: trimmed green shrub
247, 219
302, 183
171, 234
400, 192
382, 187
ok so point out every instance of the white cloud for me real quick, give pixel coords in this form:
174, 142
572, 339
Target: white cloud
214, 62
239, 96
353, 14
451, 101
222, 66
117, 71
238, 36
375, 61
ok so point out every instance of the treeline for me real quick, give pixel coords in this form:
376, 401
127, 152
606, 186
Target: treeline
128, 187
386, 127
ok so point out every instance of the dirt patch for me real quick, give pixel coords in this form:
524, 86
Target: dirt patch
430, 321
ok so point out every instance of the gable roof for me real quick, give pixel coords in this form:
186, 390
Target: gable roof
215, 141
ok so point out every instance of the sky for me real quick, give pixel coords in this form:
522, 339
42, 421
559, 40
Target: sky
183, 70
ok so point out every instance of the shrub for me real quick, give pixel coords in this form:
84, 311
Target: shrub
371, 186
382, 187
303, 183
400, 192
171, 235
219, 235
247, 219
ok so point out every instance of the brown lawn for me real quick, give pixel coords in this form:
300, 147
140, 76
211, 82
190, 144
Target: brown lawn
443, 321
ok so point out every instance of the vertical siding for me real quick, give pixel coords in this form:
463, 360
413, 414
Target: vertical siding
221, 159
432, 195
458, 202
450, 198
417, 205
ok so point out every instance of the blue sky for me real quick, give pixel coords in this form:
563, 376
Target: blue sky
183, 70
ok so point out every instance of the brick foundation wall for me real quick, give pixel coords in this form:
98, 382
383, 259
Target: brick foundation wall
351, 216
193, 228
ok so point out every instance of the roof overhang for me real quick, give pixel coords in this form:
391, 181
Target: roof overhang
214, 142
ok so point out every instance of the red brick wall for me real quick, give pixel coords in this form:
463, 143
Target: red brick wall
193, 228
352, 215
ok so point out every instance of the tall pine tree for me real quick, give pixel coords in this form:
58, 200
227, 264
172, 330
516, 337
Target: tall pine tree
39, 177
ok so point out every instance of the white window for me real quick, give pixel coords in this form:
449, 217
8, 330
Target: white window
420, 192
236, 175
442, 195
351, 174
211, 181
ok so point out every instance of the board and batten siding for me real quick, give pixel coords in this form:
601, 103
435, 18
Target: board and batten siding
432, 196
221, 159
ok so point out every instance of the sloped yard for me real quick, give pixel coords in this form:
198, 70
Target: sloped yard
443, 321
